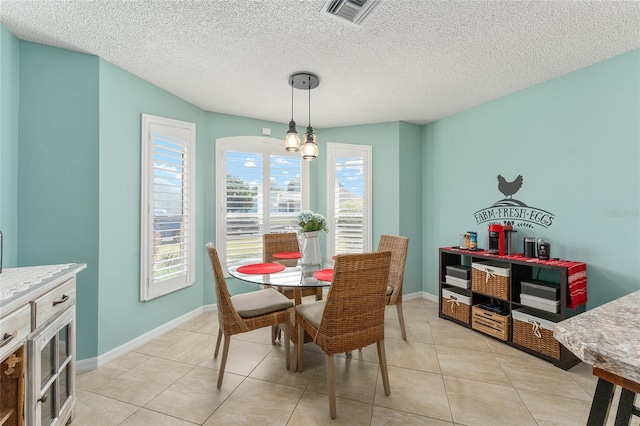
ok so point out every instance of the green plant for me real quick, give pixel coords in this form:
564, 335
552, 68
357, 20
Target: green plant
310, 221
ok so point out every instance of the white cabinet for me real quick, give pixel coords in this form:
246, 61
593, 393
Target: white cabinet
51, 362
37, 345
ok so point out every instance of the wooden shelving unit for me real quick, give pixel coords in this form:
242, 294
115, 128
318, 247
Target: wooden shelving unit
520, 270
12, 389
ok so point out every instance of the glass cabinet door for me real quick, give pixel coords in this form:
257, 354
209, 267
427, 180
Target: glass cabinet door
64, 384
63, 345
47, 362
51, 350
47, 411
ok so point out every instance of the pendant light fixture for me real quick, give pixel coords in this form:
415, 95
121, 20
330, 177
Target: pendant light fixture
291, 139
309, 149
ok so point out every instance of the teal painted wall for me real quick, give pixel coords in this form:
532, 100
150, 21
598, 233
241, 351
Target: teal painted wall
576, 142
122, 316
575, 139
397, 183
9, 96
58, 171
410, 203
384, 140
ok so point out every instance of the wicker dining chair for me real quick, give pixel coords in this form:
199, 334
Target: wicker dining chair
284, 242
245, 312
351, 317
398, 246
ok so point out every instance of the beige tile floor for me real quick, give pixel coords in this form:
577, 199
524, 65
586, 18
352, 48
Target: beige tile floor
442, 375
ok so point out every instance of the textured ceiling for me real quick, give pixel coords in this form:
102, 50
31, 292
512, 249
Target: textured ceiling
411, 60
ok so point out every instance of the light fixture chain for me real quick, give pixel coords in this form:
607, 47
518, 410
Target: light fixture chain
309, 101
291, 102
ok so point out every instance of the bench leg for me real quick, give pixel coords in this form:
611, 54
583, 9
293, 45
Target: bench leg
625, 407
601, 403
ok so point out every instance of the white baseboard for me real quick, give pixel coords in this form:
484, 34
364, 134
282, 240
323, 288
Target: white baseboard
419, 295
429, 296
86, 364
89, 364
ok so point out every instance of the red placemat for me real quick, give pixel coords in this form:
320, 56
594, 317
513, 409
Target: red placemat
323, 274
287, 255
260, 268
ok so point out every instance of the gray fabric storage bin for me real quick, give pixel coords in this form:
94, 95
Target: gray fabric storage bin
543, 289
462, 272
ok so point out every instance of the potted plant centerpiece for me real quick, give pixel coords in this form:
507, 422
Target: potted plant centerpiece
310, 226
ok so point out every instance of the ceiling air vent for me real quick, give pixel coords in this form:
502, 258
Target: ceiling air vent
354, 11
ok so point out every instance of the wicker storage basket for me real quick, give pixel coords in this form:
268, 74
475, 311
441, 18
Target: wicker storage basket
490, 323
534, 333
491, 279
456, 305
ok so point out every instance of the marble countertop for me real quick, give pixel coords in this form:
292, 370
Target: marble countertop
607, 337
20, 285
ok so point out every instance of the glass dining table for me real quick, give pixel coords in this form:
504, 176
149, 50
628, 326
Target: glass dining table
295, 277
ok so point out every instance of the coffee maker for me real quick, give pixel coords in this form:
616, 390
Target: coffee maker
496, 239
500, 239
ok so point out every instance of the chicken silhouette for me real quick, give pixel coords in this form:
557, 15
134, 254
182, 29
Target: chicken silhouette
509, 188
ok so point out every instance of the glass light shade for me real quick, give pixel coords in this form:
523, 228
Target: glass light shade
309, 150
291, 139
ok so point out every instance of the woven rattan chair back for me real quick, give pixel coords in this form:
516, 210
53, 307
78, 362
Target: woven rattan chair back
353, 315
398, 246
285, 242
230, 322
278, 242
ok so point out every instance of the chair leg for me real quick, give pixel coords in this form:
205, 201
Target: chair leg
299, 346
382, 360
287, 344
223, 361
215, 354
274, 334
294, 360
401, 319
331, 384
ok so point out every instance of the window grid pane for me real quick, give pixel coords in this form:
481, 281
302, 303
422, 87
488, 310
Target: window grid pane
244, 205
349, 193
252, 211
170, 208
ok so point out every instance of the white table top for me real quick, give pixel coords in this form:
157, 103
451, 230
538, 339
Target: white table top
607, 337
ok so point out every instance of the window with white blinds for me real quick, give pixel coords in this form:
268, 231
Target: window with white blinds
167, 206
262, 189
349, 198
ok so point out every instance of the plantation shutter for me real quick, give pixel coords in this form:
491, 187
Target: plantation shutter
251, 207
285, 200
350, 198
167, 200
245, 206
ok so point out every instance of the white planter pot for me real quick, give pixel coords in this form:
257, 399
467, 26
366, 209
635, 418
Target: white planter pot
311, 249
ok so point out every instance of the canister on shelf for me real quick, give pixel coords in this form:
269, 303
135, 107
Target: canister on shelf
463, 241
529, 247
544, 249
473, 240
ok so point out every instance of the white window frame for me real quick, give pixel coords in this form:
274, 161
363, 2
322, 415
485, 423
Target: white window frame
256, 145
337, 150
187, 133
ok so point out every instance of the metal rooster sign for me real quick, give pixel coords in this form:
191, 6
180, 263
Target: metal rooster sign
510, 211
